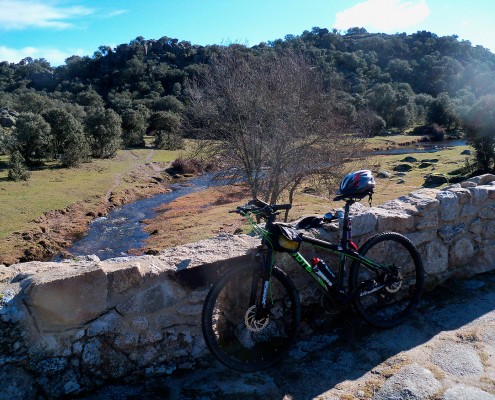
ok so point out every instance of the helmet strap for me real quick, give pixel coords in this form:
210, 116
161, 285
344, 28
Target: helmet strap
370, 198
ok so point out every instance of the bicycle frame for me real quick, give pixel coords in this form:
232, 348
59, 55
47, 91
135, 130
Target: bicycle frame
346, 249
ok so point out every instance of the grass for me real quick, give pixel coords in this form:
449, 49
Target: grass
392, 140
57, 188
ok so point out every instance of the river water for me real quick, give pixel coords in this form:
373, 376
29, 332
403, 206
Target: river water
422, 147
122, 229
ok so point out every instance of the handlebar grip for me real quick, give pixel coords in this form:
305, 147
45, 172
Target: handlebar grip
277, 207
258, 203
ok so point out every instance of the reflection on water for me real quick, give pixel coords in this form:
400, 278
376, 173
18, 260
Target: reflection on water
121, 230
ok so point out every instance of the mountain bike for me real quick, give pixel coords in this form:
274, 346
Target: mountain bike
251, 315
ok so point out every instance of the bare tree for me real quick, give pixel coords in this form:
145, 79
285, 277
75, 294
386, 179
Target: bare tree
271, 121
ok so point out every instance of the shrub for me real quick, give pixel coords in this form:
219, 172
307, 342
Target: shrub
434, 132
18, 170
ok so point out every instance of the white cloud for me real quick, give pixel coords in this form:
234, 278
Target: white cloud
54, 56
383, 15
21, 14
116, 13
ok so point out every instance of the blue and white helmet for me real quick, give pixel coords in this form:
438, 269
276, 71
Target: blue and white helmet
357, 183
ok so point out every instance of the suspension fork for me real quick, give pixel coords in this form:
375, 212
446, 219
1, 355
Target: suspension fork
264, 255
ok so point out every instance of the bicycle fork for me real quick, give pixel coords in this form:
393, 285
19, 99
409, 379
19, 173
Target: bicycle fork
261, 300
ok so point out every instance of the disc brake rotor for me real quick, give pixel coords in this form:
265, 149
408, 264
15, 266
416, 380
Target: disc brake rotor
395, 286
253, 323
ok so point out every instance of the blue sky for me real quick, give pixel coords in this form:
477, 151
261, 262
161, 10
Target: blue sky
57, 29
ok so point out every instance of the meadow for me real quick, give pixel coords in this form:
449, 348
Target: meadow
93, 188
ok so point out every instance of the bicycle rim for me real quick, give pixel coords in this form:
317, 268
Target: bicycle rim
385, 299
235, 333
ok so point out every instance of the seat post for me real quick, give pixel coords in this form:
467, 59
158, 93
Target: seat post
346, 225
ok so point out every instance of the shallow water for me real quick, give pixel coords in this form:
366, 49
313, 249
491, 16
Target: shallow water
427, 147
122, 229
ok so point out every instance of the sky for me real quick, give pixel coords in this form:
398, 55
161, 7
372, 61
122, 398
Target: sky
58, 29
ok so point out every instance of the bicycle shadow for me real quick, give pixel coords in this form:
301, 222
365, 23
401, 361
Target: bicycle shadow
349, 348
360, 348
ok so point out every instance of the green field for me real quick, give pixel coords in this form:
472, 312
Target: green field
56, 188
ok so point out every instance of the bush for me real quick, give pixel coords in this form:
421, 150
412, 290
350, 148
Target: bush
183, 165
18, 170
434, 132
169, 140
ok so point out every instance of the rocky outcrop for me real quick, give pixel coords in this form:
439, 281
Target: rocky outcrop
8, 117
71, 326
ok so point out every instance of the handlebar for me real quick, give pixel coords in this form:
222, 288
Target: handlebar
261, 208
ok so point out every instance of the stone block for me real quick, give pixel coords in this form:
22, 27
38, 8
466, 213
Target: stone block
410, 382
482, 179
436, 259
457, 359
463, 194
363, 224
449, 205
67, 298
449, 232
468, 210
428, 220
464, 392
423, 200
475, 227
122, 277
468, 184
392, 220
421, 237
487, 211
151, 300
108, 323
480, 194
488, 229
461, 252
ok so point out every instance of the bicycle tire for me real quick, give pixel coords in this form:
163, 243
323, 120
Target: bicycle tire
390, 305
230, 339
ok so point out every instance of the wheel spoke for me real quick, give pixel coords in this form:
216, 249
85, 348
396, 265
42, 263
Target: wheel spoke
402, 280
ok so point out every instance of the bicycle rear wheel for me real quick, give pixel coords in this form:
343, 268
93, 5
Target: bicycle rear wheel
234, 329
387, 298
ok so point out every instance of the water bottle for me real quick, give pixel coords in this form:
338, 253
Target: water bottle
323, 270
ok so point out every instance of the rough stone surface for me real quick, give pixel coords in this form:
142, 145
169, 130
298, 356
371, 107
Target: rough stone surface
436, 261
67, 298
457, 359
463, 392
412, 382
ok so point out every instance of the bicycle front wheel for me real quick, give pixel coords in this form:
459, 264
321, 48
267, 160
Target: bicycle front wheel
235, 328
386, 297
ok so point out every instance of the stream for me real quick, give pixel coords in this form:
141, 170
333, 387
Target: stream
122, 229
422, 147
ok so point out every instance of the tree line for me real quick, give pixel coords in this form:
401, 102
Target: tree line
171, 89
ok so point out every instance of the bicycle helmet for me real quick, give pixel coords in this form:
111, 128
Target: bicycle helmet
358, 183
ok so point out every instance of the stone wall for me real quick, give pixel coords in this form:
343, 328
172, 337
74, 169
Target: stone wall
70, 326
